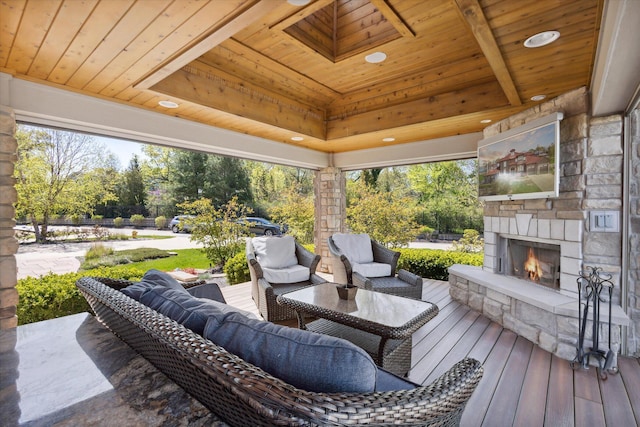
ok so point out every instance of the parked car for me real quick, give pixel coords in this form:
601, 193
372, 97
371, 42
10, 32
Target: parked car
261, 226
177, 224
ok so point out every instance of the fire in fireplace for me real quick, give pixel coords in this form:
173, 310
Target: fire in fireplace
532, 268
533, 261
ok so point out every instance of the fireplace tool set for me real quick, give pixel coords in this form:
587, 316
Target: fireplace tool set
593, 281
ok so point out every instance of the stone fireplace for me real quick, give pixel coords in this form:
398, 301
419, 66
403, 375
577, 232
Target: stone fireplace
542, 304
533, 261
554, 244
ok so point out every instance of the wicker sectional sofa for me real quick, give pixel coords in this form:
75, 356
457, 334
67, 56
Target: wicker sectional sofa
243, 394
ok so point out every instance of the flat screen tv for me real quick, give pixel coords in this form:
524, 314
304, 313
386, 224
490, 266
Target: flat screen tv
522, 163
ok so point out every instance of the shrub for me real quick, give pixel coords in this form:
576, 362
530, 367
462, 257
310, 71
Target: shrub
118, 222
75, 219
100, 232
137, 220
126, 256
220, 231
98, 250
56, 295
97, 219
237, 269
434, 263
470, 242
161, 222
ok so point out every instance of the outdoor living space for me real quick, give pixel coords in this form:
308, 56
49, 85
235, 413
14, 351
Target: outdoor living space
72, 371
334, 87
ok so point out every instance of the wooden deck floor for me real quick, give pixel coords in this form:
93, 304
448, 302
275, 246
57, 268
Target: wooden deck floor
522, 385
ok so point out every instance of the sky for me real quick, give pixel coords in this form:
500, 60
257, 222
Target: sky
124, 150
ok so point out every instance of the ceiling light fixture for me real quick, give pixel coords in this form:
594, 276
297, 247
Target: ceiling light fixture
297, 138
375, 57
168, 104
389, 139
542, 39
485, 121
538, 97
298, 2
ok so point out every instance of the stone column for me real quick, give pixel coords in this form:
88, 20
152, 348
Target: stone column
330, 211
8, 242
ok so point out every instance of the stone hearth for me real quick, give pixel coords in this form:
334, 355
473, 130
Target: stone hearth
544, 316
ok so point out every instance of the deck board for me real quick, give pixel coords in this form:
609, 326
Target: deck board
503, 406
523, 385
533, 400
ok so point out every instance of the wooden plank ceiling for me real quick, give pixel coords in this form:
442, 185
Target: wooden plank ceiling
276, 70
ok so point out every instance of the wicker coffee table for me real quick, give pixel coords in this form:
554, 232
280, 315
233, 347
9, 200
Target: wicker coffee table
381, 324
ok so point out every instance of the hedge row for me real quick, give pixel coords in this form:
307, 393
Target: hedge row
434, 263
56, 295
426, 263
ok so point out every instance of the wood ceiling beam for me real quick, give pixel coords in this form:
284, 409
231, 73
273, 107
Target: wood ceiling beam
246, 16
223, 92
472, 13
300, 15
481, 97
393, 18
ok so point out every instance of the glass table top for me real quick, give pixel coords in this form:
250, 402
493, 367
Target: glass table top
375, 307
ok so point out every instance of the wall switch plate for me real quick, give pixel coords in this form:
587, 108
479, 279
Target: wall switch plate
604, 221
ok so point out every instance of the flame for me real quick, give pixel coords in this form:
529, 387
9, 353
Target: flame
532, 267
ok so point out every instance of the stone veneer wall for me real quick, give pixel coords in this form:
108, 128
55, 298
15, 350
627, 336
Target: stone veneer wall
330, 204
591, 162
8, 242
633, 239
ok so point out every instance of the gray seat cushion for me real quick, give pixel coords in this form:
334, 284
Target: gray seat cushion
304, 359
387, 381
185, 309
150, 279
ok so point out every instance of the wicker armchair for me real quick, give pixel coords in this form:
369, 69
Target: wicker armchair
242, 394
264, 292
404, 283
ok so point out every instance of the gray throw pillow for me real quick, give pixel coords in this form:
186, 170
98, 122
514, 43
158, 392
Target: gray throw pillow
150, 279
306, 360
185, 309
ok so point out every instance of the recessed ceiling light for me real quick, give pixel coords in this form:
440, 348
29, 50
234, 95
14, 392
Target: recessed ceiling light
538, 97
297, 138
542, 39
375, 57
485, 121
168, 104
389, 139
298, 2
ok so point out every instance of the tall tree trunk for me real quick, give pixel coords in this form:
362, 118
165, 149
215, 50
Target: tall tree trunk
44, 229
36, 229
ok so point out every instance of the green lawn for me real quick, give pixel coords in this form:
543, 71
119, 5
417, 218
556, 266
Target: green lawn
193, 258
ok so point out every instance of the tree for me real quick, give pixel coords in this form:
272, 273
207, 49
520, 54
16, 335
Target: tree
218, 178
448, 192
157, 169
270, 184
297, 211
228, 178
189, 176
56, 174
131, 191
220, 231
386, 217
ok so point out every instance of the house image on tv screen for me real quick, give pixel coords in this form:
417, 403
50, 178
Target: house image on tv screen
521, 166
